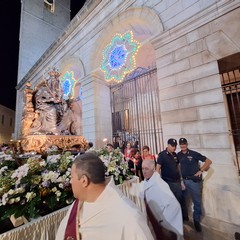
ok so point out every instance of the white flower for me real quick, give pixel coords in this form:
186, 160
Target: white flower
11, 201
54, 189
30, 196
2, 170
51, 175
68, 173
17, 199
21, 172
19, 190
11, 192
58, 193
53, 158
4, 199
42, 163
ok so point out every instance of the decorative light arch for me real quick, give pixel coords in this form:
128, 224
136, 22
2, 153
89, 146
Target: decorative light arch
68, 83
119, 56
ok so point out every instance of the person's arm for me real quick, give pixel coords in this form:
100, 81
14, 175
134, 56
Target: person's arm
204, 167
159, 164
158, 168
139, 175
181, 178
139, 169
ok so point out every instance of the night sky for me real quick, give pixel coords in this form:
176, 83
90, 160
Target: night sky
9, 47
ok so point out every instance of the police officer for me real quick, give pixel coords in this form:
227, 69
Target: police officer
168, 167
192, 177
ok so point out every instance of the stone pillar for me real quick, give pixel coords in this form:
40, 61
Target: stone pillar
96, 118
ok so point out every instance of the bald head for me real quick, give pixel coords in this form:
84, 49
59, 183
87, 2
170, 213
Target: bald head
148, 168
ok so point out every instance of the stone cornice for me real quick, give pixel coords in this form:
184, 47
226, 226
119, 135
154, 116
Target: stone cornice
91, 77
89, 11
209, 14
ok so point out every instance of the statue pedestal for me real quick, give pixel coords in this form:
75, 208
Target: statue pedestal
39, 143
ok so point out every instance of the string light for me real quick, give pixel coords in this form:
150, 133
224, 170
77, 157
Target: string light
119, 57
68, 83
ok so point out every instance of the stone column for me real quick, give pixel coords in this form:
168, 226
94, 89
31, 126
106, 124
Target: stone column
96, 118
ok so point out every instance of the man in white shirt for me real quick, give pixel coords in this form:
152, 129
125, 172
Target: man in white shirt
159, 198
100, 211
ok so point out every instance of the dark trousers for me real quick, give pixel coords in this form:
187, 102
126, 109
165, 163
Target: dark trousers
194, 191
176, 188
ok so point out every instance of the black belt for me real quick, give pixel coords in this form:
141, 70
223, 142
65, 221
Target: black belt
172, 180
193, 178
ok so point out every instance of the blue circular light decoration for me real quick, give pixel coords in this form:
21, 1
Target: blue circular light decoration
66, 87
117, 57
68, 83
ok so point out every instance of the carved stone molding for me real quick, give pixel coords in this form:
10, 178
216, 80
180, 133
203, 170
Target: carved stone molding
41, 143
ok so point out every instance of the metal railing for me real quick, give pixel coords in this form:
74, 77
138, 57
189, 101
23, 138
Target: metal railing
231, 88
136, 109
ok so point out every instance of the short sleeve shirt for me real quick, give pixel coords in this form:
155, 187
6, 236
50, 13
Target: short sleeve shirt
169, 166
189, 162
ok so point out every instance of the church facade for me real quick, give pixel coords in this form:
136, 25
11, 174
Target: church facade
187, 53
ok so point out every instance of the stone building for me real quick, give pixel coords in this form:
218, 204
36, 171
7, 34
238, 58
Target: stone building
7, 122
151, 70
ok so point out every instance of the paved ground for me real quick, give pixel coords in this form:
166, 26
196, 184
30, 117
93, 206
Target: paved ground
206, 234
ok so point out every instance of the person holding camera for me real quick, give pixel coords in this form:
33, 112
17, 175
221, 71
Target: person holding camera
191, 177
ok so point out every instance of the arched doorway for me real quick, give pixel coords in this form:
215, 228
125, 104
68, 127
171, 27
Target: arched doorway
129, 35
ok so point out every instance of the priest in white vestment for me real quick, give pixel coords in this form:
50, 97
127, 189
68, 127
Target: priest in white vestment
160, 199
103, 212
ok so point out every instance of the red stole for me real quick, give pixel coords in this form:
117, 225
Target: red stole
72, 229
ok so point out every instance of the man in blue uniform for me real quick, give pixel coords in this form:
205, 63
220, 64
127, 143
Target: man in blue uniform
192, 177
168, 168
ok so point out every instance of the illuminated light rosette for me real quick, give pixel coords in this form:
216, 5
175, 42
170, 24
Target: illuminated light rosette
119, 57
81, 93
68, 83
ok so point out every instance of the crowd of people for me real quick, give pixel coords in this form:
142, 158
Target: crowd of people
167, 182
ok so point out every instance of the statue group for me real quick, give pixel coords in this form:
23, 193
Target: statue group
45, 111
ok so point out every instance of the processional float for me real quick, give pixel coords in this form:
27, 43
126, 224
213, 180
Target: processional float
48, 119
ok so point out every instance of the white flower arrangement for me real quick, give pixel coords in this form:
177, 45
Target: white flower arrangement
115, 164
35, 186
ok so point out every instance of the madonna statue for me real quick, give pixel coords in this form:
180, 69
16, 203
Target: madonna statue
53, 114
